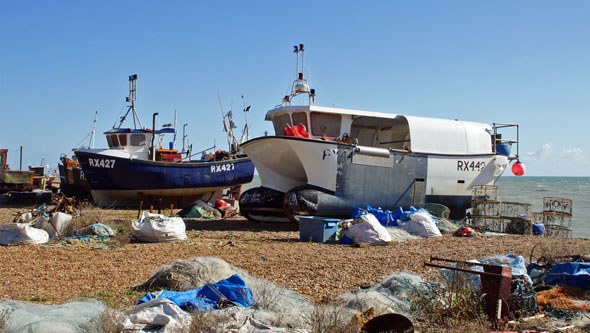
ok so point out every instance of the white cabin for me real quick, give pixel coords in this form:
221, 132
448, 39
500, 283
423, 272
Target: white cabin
388, 131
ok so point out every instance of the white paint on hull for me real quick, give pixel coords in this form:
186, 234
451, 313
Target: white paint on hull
284, 163
444, 173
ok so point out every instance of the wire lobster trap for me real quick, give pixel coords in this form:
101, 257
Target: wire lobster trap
556, 216
485, 193
503, 224
558, 205
558, 231
499, 208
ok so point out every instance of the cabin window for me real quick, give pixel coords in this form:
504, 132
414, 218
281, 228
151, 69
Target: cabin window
137, 139
299, 118
114, 141
109, 141
123, 139
325, 123
280, 122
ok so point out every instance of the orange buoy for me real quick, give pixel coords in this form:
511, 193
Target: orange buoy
518, 169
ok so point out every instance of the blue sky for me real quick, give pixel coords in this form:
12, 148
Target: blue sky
525, 62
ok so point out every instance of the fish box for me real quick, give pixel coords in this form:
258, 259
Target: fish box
317, 229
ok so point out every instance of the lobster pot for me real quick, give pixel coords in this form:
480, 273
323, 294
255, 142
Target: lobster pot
558, 231
486, 208
558, 205
486, 222
503, 224
485, 193
553, 218
514, 209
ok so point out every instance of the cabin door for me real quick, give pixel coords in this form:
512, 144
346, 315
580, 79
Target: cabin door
419, 196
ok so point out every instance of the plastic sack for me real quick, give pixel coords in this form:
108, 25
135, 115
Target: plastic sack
60, 221
162, 314
368, 230
96, 229
385, 217
422, 224
158, 228
199, 209
516, 263
21, 233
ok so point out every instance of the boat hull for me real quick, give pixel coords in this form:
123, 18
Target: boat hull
73, 183
327, 178
120, 181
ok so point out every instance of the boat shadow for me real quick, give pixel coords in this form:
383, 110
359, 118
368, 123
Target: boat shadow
237, 225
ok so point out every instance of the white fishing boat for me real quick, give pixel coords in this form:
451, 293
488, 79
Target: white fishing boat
323, 160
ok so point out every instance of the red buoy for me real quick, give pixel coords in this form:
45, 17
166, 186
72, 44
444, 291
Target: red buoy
518, 169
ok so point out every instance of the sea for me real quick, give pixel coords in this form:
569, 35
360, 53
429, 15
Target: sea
532, 190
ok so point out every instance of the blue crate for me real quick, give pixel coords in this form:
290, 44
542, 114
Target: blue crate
317, 229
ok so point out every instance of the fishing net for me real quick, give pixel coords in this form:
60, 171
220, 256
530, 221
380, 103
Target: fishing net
391, 295
78, 315
271, 303
563, 297
399, 234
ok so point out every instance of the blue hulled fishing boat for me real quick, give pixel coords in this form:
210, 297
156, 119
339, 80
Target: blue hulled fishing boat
136, 168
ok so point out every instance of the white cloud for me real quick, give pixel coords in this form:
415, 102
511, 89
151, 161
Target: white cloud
545, 150
570, 152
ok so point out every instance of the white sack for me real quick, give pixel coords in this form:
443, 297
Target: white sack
368, 231
158, 228
26, 217
156, 315
21, 233
59, 219
421, 224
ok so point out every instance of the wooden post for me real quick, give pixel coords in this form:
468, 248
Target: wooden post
160, 206
172, 209
151, 209
140, 208
53, 225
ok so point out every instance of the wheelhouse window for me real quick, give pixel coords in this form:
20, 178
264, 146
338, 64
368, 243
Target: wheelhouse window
112, 140
123, 139
299, 118
325, 123
280, 122
137, 139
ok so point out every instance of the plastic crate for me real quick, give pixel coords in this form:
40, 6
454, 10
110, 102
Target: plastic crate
317, 229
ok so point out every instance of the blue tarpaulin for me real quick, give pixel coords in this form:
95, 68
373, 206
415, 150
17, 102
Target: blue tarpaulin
388, 218
575, 274
203, 298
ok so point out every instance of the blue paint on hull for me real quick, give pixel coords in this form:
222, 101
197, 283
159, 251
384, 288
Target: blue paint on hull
122, 174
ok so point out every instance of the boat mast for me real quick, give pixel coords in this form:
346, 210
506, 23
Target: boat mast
300, 85
245, 131
131, 98
91, 143
175, 116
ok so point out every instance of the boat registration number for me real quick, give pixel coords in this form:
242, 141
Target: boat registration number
101, 163
222, 167
470, 166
